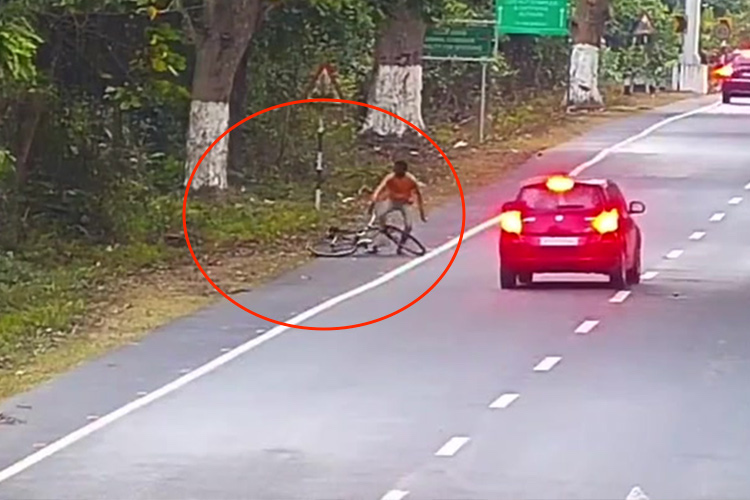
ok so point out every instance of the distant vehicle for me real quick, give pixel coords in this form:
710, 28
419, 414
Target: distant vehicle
735, 76
558, 224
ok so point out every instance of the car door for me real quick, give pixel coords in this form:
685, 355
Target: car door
630, 231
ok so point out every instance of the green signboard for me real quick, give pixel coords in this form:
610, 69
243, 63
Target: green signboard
460, 42
533, 17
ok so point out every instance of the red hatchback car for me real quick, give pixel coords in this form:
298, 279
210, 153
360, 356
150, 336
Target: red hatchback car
558, 224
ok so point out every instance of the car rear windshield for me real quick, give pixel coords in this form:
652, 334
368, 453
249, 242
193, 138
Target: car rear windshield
582, 196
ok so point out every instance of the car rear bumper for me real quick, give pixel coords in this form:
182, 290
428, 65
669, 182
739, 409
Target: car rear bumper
592, 254
736, 87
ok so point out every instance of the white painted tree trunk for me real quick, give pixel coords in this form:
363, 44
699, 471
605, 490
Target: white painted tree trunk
584, 75
208, 120
398, 89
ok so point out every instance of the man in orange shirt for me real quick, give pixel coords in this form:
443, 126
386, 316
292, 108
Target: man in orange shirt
396, 193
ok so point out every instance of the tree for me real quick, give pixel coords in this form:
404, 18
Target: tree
221, 36
397, 85
588, 30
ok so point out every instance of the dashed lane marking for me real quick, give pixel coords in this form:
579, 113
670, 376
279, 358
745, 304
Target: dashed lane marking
586, 326
505, 400
736, 200
697, 235
718, 216
395, 495
620, 297
649, 275
452, 446
674, 254
547, 363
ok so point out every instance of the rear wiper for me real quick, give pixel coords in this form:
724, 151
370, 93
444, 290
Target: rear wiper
570, 206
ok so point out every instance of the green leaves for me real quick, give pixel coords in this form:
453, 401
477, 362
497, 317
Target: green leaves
18, 47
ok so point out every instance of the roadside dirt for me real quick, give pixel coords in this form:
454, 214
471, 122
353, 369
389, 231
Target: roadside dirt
139, 304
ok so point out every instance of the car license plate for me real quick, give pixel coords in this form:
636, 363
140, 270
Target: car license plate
558, 241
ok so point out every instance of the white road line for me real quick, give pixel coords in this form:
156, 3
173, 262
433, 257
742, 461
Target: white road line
547, 364
212, 365
505, 400
395, 495
697, 235
747, 186
620, 297
452, 446
637, 494
674, 254
586, 326
717, 216
649, 275
735, 201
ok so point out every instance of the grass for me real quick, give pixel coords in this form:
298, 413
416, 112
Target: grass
64, 304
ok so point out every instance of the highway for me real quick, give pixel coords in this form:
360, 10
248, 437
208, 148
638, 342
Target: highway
564, 390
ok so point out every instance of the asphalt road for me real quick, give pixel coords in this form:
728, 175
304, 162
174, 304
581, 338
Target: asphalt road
653, 392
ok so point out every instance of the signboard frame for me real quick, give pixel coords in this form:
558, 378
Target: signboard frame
483, 60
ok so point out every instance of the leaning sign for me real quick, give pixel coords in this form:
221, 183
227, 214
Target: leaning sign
533, 17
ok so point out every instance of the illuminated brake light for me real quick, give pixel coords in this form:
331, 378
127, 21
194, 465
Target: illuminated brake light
511, 222
607, 221
560, 183
724, 71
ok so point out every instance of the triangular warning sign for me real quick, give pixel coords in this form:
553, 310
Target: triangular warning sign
324, 84
645, 26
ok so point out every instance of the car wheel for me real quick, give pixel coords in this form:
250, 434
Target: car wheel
508, 278
526, 278
634, 273
617, 277
726, 98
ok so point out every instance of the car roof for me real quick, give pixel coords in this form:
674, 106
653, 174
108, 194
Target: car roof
541, 179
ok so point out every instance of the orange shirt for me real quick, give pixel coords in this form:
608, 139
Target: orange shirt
401, 189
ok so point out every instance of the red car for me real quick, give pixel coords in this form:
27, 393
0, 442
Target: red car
558, 224
735, 77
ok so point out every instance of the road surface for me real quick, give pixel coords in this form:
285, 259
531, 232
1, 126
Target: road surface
565, 390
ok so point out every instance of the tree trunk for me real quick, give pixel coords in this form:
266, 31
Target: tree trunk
588, 30
227, 29
398, 75
237, 112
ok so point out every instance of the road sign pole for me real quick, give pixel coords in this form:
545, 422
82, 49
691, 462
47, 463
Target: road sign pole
483, 103
319, 165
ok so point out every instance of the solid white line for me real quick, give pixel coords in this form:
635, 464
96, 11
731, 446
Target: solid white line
736, 200
649, 275
587, 326
395, 495
212, 365
673, 254
451, 447
620, 297
505, 400
697, 235
717, 216
547, 364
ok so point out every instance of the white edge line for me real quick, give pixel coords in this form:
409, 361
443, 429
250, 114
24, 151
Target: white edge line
452, 447
212, 365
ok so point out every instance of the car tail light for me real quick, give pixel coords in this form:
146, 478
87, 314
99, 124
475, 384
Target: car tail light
560, 183
511, 221
724, 71
607, 221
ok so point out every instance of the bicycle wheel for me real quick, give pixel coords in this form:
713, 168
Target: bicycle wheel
410, 244
336, 244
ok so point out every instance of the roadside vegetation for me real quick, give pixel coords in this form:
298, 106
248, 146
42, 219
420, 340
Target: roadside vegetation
95, 142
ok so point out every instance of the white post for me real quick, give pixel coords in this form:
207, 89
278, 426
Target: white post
483, 102
692, 75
